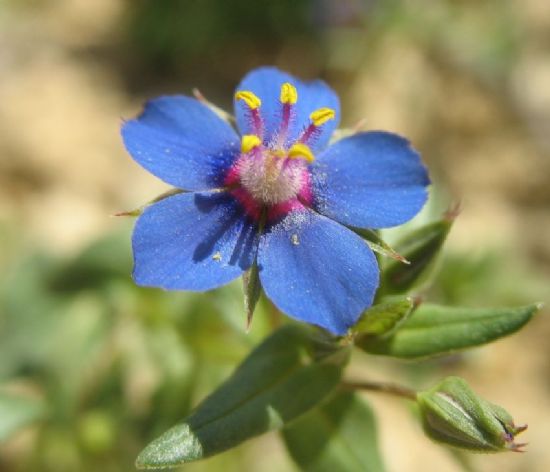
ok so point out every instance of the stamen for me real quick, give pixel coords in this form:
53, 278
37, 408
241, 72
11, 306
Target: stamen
318, 118
301, 151
288, 97
253, 103
249, 142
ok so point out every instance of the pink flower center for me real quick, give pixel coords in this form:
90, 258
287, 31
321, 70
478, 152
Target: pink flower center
270, 177
274, 176
266, 178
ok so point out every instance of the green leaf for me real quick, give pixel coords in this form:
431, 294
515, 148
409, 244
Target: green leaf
435, 330
288, 374
339, 435
377, 244
17, 412
420, 248
384, 318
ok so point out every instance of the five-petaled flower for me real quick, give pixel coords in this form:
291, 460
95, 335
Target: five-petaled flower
278, 196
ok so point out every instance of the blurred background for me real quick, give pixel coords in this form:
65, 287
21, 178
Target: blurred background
93, 368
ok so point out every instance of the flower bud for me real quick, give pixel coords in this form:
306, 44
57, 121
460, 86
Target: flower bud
452, 414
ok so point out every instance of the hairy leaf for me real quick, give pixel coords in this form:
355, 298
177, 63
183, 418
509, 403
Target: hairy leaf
384, 318
339, 435
288, 374
435, 330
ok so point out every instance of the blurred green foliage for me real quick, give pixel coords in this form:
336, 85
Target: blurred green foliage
113, 364
173, 39
170, 31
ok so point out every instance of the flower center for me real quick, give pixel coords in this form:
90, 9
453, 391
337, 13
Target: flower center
273, 176
270, 171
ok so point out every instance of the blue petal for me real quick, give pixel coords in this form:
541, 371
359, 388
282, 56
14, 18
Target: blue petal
370, 180
317, 271
192, 241
182, 142
266, 83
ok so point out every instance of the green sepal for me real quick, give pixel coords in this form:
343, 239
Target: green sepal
341, 133
252, 288
293, 370
419, 248
435, 330
16, 412
339, 435
377, 244
454, 415
251, 280
138, 211
220, 112
383, 319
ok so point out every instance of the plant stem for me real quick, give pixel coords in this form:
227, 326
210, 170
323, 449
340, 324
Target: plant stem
392, 389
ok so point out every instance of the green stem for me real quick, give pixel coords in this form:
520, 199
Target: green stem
383, 387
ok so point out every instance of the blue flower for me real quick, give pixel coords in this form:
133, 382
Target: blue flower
273, 192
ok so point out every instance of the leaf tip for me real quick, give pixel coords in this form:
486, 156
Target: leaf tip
175, 447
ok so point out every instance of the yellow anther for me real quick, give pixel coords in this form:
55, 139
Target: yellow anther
289, 94
250, 98
278, 153
249, 142
300, 151
322, 115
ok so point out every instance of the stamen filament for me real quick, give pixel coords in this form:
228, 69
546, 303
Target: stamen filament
253, 103
288, 97
308, 133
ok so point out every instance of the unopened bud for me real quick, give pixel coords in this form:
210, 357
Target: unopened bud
454, 415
